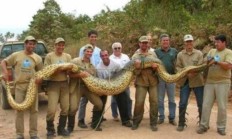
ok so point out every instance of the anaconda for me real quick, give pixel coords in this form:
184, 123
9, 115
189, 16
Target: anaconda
121, 81
96, 85
32, 87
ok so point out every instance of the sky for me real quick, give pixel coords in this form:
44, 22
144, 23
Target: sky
16, 15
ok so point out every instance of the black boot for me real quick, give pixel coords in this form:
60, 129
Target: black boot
181, 123
50, 129
61, 127
96, 120
71, 123
81, 124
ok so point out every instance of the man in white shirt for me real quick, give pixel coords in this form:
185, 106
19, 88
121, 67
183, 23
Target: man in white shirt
106, 69
122, 59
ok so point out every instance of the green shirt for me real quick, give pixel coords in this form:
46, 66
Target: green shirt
168, 58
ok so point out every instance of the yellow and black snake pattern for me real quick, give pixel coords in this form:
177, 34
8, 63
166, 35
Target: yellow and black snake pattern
96, 85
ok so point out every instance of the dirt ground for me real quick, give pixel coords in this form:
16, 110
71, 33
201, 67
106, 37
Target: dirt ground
114, 130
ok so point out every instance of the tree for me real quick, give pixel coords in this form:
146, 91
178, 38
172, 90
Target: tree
47, 23
6, 37
2, 38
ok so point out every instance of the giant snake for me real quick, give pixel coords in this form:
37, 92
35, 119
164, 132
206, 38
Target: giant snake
113, 86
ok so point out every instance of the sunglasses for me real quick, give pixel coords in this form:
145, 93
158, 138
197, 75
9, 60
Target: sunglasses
117, 48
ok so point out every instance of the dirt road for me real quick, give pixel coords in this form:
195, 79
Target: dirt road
114, 130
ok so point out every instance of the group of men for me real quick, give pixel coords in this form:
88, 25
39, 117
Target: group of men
68, 89
215, 86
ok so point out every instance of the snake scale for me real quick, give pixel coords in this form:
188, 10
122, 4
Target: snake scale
113, 86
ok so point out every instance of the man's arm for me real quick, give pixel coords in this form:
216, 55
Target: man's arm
224, 65
4, 70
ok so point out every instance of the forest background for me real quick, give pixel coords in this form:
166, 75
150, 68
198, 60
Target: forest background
202, 18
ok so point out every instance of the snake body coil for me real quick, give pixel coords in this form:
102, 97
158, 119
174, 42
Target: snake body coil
99, 86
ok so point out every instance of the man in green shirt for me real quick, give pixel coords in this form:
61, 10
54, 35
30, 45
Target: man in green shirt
168, 57
146, 82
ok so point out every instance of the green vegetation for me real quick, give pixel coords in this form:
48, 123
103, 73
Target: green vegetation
201, 18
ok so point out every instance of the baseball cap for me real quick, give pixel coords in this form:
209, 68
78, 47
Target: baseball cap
30, 38
188, 37
143, 39
59, 40
88, 46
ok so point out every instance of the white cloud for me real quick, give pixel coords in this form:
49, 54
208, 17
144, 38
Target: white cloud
16, 15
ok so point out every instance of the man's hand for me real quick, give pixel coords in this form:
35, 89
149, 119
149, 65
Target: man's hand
154, 66
213, 60
69, 67
191, 74
83, 74
5, 77
38, 81
63, 69
137, 63
210, 62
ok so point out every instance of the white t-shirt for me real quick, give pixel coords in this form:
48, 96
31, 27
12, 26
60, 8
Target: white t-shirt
122, 60
106, 72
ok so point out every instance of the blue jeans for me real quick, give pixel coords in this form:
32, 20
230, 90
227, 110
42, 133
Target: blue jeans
185, 92
170, 89
82, 108
114, 106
